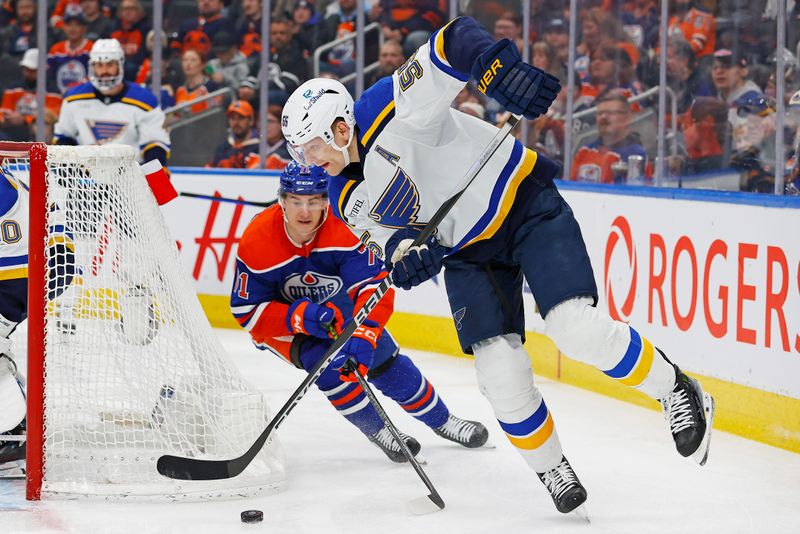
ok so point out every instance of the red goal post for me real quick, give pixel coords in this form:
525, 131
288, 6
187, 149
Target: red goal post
122, 365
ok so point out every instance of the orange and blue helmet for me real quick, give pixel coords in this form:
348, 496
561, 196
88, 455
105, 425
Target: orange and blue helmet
303, 180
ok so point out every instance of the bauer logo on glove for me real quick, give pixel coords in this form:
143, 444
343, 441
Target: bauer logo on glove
517, 86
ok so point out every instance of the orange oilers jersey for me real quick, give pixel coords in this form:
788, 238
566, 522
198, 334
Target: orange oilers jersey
185, 94
25, 102
593, 163
69, 66
272, 271
699, 28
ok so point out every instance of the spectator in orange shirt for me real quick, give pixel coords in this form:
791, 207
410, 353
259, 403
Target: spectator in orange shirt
131, 33
248, 29
607, 160
707, 135
68, 60
198, 32
697, 26
18, 109
196, 84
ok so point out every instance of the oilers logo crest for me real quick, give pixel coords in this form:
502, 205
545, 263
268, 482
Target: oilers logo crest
311, 285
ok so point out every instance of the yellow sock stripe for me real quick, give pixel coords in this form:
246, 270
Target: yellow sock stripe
643, 367
535, 440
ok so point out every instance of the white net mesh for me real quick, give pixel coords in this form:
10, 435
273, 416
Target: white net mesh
132, 368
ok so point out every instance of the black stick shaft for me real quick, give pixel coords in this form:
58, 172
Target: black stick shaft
434, 495
230, 200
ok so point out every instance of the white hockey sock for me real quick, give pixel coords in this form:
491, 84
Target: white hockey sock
505, 378
586, 334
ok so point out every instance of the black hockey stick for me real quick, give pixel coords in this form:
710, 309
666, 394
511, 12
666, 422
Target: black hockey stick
200, 469
422, 505
230, 200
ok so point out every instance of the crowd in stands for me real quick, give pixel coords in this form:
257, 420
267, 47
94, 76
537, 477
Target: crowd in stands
720, 64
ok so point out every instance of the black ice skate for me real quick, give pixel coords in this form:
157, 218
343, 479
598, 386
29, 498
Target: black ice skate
565, 488
470, 434
384, 439
690, 413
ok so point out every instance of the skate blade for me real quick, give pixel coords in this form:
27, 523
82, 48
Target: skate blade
581, 512
488, 445
424, 505
421, 460
701, 454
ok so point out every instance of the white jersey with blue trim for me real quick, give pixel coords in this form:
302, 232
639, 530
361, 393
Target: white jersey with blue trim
415, 151
131, 118
13, 229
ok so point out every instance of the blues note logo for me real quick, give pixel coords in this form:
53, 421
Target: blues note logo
106, 131
458, 316
399, 204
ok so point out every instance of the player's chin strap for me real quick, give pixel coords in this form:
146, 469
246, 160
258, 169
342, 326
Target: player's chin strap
345, 150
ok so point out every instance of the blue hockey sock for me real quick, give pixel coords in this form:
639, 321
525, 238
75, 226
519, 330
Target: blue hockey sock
403, 382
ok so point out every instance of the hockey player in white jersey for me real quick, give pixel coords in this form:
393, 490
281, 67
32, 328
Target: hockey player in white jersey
107, 109
400, 153
14, 300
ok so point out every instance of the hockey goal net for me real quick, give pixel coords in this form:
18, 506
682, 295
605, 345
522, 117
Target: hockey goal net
122, 363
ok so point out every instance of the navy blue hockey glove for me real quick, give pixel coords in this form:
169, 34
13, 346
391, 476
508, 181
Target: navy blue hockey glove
520, 88
306, 317
411, 266
361, 348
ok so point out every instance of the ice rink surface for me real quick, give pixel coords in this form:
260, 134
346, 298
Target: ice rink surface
339, 482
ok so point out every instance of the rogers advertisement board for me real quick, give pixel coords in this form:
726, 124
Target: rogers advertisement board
715, 285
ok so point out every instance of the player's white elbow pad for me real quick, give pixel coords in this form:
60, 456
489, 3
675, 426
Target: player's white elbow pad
584, 333
505, 376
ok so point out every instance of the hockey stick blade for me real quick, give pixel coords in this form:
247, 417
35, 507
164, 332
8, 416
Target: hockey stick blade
425, 505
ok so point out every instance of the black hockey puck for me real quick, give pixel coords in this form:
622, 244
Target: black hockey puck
252, 516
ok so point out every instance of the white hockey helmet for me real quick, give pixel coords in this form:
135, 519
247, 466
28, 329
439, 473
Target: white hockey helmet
106, 51
309, 114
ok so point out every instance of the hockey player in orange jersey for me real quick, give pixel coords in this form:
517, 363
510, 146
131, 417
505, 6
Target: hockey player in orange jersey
299, 276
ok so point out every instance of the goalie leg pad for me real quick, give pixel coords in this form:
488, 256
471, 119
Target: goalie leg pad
403, 382
505, 378
584, 333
